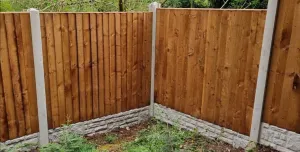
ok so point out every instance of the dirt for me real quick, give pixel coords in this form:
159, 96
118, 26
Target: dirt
128, 134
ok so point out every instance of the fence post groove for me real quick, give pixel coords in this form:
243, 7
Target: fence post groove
152, 8
263, 70
39, 75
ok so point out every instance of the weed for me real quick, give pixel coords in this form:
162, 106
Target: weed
110, 138
69, 142
159, 138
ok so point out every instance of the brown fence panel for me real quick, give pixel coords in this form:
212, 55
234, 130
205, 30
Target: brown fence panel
86, 61
282, 104
207, 63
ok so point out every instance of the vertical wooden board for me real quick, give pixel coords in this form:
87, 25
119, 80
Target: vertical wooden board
21, 56
129, 60
171, 36
29, 68
46, 68
230, 72
250, 86
52, 69
67, 66
118, 62
191, 62
106, 59
144, 59
240, 111
290, 106
209, 104
101, 64
81, 66
134, 59
87, 65
7, 82
148, 58
219, 113
164, 57
15, 72
201, 52
74, 67
181, 62
3, 121
293, 116
159, 55
112, 62
93, 26
124, 60
280, 51
59, 67
140, 23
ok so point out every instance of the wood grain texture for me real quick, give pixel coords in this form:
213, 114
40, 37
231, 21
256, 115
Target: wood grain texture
7, 82
101, 64
15, 72
81, 67
86, 64
204, 67
282, 106
94, 55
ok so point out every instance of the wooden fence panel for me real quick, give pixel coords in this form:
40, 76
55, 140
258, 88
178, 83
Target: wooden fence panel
85, 62
282, 106
205, 63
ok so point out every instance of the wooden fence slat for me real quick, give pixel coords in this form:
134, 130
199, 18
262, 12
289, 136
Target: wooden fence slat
101, 64
112, 62
118, 62
191, 61
3, 119
14, 67
46, 69
57, 29
94, 55
106, 64
134, 59
124, 60
52, 69
140, 50
87, 65
67, 66
7, 82
21, 57
81, 66
201, 53
290, 105
74, 67
129, 60
219, 117
148, 57
29, 68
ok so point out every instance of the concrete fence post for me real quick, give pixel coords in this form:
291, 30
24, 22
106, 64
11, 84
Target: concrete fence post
263, 70
152, 8
39, 75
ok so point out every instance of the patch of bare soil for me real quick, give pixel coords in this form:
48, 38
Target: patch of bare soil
195, 144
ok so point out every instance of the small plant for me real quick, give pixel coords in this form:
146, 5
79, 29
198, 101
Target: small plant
159, 138
110, 138
69, 142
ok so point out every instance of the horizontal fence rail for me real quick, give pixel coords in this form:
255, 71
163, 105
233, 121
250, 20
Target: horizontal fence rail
95, 64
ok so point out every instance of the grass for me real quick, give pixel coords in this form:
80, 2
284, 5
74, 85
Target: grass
69, 142
162, 137
110, 138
